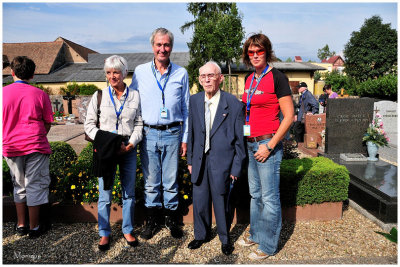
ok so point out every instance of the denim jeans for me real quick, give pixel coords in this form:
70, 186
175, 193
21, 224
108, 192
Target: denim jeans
265, 205
159, 155
127, 169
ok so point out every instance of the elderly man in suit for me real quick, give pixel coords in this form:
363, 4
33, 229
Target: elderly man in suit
216, 152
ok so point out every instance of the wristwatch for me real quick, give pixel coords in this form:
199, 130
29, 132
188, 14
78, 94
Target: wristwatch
269, 149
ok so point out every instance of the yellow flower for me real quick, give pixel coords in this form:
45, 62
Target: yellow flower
73, 186
185, 197
86, 194
97, 186
80, 174
83, 186
113, 193
81, 203
69, 174
184, 181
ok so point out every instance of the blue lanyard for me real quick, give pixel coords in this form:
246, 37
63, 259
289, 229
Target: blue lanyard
162, 88
19, 81
118, 113
251, 92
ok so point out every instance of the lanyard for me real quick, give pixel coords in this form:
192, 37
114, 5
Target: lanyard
162, 88
251, 92
19, 81
118, 113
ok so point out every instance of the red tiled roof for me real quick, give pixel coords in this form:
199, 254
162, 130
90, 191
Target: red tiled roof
331, 59
46, 55
43, 54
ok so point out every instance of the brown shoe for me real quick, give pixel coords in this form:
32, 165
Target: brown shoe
258, 255
246, 242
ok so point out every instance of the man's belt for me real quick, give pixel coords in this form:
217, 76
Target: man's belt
259, 138
165, 126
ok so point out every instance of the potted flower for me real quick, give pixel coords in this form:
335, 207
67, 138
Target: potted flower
375, 137
58, 115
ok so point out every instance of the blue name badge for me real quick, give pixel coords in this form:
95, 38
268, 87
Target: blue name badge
163, 113
246, 130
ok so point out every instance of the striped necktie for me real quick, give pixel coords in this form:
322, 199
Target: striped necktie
208, 125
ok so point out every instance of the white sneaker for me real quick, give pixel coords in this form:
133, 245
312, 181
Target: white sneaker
246, 242
258, 255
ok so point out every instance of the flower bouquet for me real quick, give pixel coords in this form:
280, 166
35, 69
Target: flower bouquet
375, 132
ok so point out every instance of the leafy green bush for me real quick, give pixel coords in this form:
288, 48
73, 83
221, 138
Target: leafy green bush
63, 157
79, 89
87, 89
339, 81
313, 180
384, 87
7, 182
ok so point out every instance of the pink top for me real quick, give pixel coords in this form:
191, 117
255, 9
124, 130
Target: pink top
25, 111
334, 95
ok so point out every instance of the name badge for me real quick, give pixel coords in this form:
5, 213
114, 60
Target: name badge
163, 113
246, 130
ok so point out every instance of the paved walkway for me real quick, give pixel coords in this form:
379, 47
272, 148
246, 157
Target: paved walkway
73, 134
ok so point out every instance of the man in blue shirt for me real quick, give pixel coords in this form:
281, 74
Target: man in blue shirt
164, 97
307, 104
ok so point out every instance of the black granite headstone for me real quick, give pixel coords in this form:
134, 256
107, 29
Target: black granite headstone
347, 120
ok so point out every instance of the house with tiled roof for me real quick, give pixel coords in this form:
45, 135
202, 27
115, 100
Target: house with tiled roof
336, 61
48, 56
75, 63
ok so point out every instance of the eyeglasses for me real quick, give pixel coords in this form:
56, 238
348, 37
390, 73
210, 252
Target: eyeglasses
211, 76
258, 53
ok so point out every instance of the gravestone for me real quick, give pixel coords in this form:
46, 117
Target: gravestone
314, 125
347, 120
56, 103
82, 107
388, 110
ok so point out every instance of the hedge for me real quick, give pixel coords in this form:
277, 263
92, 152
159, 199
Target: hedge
303, 181
312, 180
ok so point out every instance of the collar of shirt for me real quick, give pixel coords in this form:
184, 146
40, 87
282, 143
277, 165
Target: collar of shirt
214, 104
115, 94
215, 99
169, 67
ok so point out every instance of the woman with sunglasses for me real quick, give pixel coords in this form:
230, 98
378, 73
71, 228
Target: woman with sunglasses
267, 93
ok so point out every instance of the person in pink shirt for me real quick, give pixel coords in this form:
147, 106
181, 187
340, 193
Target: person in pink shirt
27, 117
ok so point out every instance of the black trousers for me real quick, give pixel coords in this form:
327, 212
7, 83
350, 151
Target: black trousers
298, 130
203, 196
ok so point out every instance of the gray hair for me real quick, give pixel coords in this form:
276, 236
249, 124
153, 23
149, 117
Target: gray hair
162, 31
118, 63
212, 63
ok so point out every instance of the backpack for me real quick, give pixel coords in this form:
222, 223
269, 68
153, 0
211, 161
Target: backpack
99, 96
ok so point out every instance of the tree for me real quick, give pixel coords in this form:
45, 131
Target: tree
289, 59
325, 53
217, 36
372, 51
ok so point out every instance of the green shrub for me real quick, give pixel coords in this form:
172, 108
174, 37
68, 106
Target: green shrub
79, 89
384, 87
63, 157
7, 182
312, 180
339, 81
87, 89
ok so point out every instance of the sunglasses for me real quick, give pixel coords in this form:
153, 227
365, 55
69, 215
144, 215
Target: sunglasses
258, 53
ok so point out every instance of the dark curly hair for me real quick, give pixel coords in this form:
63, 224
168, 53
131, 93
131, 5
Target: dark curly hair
23, 67
262, 41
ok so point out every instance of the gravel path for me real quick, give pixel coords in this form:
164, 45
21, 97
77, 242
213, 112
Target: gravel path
351, 240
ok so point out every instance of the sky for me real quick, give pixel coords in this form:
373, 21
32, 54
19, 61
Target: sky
294, 28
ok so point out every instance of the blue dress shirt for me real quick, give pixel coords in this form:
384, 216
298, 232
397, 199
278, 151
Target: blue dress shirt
176, 94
